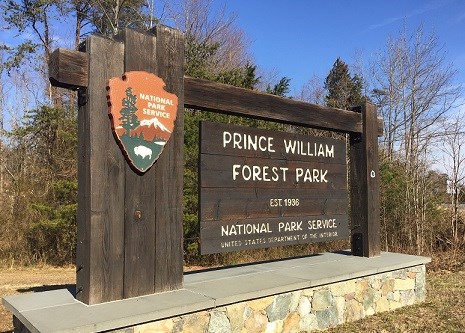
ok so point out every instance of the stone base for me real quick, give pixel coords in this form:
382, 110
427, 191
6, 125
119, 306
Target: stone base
305, 310
302, 294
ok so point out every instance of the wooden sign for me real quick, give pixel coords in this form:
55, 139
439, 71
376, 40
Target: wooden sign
261, 188
142, 116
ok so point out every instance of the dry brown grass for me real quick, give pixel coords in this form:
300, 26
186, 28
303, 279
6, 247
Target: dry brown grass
443, 311
21, 280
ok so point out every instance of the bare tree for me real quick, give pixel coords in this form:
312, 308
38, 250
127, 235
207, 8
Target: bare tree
453, 149
210, 34
313, 91
413, 89
33, 18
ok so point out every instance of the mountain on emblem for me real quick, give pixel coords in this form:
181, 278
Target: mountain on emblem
142, 116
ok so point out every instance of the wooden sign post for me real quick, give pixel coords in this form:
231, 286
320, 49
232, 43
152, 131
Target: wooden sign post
129, 223
130, 209
364, 185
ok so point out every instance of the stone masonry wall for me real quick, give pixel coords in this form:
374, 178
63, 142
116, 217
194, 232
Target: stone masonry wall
304, 310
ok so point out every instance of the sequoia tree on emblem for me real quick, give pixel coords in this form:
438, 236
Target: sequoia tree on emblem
142, 116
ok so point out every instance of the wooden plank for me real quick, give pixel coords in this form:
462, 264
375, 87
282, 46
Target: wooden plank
234, 235
215, 97
249, 203
228, 139
139, 200
116, 248
101, 209
364, 184
170, 167
68, 69
246, 172
252, 177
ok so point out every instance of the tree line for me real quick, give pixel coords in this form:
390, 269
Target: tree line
410, 82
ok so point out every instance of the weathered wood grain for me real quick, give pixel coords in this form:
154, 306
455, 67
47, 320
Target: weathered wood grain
249, 203
139, 200
364, 185
100, 207
215, 97
273, 232
169, 252
68, 69
130, 224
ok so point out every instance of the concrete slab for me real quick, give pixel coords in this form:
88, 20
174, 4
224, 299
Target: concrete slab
328, 272
217, 274
236, 289
78, 317
389, 261
20, 303
57, 311
298, 262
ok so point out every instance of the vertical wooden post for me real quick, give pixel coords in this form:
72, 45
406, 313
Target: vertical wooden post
364, 186
100, 243
169, 254
119, 256
139, 234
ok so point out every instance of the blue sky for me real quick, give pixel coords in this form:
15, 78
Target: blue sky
299, 38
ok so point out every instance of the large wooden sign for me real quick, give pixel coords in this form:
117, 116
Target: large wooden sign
261, 188
258, 188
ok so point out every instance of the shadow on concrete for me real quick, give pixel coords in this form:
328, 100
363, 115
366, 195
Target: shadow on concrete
255, 263
344, 252
71, 288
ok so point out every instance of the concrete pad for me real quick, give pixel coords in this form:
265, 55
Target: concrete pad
389, 261
78, 317
327, 272
217, 274
298, 262
27, 302
236, 289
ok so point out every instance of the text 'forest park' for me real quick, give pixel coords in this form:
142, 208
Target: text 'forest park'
266, 173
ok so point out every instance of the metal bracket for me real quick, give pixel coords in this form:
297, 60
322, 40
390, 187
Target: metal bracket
82, 96
357, 244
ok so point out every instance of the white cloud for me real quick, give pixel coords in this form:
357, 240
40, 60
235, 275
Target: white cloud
429, 6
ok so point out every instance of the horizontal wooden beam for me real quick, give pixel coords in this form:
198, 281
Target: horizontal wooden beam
68, 69
216, 97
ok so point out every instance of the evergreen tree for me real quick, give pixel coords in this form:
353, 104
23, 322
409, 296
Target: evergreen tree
344, 91
41, 214
281, 88
244, 77
128, 117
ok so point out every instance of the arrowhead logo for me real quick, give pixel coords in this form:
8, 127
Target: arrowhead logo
142, 116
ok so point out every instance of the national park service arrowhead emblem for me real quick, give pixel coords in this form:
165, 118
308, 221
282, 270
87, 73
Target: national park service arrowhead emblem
142, 116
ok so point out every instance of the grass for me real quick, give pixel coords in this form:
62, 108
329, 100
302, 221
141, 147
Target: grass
443, 310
